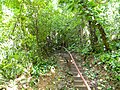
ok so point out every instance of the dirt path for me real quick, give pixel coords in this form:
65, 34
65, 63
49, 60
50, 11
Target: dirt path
61, 79
65, 76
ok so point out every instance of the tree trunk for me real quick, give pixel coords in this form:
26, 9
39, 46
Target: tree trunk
93, 36
81, 35
37, 36
104, 39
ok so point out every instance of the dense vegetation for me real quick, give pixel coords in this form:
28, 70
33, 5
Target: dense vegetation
32, 31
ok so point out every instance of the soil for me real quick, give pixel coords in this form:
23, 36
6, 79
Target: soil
59, 80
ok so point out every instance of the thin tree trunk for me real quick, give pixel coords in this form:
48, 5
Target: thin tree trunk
37, 36
93, 36
81, 35
102, 32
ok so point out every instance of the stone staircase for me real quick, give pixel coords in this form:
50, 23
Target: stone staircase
78, 82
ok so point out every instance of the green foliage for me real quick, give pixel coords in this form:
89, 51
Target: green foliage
42, 66
10, 70
32, 30
111, 60
111, 64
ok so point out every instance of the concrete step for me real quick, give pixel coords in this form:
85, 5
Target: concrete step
74, 68
72, 65
78, 82
79, 78
82, 87
75, 73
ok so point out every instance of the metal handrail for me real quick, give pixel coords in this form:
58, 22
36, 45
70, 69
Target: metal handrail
85, 82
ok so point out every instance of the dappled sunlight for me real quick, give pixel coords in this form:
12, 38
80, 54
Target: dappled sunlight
7, 14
